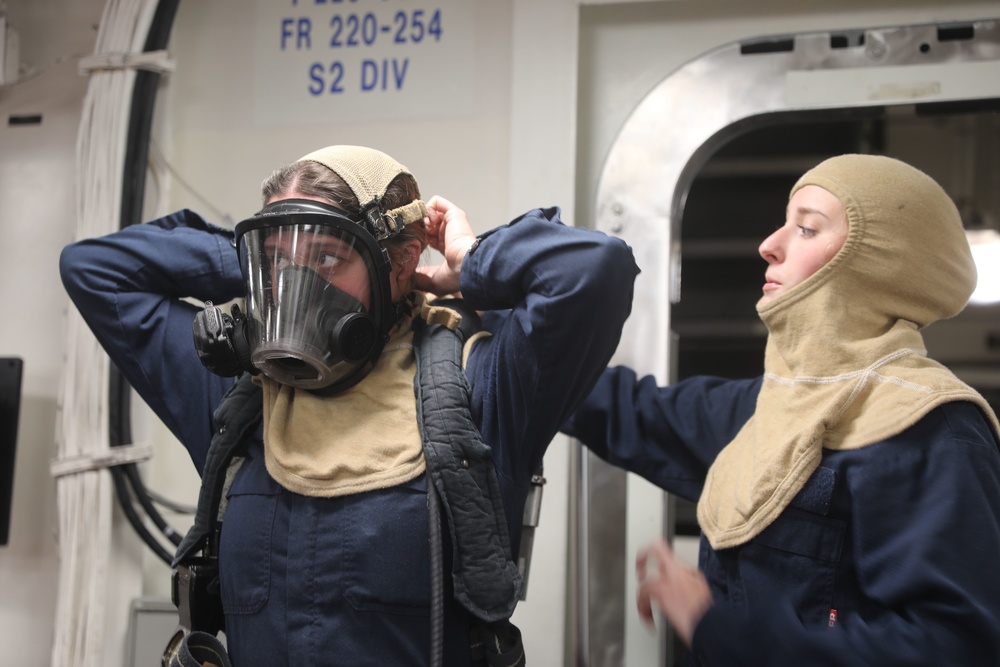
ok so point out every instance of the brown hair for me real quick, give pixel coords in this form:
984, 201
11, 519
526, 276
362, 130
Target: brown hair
316, 180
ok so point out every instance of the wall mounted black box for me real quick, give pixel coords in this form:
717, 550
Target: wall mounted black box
10, 408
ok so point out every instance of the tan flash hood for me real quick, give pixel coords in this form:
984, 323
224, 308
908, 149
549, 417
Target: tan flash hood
368, 172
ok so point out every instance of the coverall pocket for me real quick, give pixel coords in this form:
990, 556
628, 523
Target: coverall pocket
804, 534
245, 544
798, 554
795, 558
389, 560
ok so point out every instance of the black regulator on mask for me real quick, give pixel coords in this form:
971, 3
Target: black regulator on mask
318, 298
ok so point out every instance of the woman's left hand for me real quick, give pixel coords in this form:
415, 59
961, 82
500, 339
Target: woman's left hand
448, 232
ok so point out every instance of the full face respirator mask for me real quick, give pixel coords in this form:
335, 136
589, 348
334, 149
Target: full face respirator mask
318, 297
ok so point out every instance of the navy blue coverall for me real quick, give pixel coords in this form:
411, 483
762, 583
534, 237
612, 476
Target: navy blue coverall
344, 580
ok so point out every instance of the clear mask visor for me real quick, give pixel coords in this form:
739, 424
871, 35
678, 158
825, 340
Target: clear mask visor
314, 302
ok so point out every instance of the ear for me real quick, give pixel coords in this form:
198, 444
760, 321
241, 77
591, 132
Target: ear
404, 271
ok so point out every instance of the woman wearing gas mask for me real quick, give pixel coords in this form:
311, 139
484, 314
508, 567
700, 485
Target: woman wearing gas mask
849, 499
326, 553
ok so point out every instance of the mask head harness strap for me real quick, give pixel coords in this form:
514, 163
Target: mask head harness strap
368, 173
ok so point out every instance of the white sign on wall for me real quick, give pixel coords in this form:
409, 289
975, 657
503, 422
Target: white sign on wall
323, 61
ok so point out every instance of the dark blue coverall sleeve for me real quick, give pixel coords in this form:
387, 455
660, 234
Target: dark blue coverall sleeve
558, 297
668, 435
130, 288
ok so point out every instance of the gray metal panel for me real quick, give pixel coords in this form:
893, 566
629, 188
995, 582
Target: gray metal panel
152, 622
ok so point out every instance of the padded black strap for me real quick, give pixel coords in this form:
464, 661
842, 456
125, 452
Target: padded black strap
486, 579
238, 414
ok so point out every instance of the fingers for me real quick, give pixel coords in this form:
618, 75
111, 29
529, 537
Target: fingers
660, 551
641, 558
442, 213
645, 605
654, 565
663, 553
434, 224
680, 591
439, 212
647, 582
446, 224
439, 205
448, 232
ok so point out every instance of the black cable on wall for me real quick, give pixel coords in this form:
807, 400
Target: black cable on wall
129, 486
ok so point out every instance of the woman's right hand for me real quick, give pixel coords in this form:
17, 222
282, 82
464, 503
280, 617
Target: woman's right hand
679, 590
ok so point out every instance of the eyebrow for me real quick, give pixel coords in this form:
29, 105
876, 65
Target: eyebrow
804, 210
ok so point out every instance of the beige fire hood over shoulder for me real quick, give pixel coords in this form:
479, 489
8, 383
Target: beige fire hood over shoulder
364, 438
845, 363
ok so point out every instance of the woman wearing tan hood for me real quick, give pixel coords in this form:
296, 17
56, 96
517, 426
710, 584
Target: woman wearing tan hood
849, 499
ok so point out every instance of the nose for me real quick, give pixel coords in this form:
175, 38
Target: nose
771, 247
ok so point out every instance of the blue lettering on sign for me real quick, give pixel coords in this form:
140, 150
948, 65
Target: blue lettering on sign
320, 77
361, 30
318, 85
358, 31
353, 30
300, 30
413, 27
380, 75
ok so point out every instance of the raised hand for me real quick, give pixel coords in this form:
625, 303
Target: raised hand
448, 232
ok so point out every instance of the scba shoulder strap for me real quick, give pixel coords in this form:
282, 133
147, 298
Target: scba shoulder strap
486, 580
462, 478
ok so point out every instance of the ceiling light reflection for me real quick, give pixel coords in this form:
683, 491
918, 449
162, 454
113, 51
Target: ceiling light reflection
985, 244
